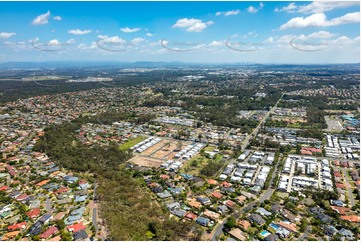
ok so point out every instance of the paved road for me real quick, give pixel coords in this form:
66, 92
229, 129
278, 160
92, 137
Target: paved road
94, 219
348, 185
266, 195
256, 130
219, 229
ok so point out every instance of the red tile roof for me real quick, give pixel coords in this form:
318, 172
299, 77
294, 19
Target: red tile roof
340, 185
61, 190
217, 195
191, 215
226, 184
351, 218
336, 174
4, 188
17, 226
22, 197
76, 227
341, 210
212, 182
33, 213
230, 203
50, 231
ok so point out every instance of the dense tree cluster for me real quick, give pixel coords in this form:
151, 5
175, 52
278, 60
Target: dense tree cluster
128, 210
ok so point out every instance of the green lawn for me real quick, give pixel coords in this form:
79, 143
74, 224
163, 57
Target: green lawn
209, 148
131, 142
218, 157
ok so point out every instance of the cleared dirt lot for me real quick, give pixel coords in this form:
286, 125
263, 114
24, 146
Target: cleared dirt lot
165, 150
333, 124
146, 161
155, 147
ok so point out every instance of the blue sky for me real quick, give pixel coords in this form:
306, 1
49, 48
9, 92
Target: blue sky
263, 32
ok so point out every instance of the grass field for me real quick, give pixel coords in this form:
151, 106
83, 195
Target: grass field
131, 142
209, 148
195, 165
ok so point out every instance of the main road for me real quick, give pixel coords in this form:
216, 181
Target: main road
256, 130
266, 195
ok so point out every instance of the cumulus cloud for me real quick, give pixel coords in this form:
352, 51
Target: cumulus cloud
229, 13
291, 8
114, 39
6, 35
252, 9
79, 32
316, 7
216, 43
192, 25
137, 40
41, 19
289, 37
130, 30
320, 20
102, 36
322, 6
149, 34
54, 42
57, 18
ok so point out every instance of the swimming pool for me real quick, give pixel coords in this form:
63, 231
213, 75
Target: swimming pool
274, 226
264, 233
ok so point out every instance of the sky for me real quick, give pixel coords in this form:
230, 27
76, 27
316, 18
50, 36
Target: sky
198, 32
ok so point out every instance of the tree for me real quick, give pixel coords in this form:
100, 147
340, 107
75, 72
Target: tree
231, 222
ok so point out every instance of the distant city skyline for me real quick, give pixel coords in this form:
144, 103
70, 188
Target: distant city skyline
196, 32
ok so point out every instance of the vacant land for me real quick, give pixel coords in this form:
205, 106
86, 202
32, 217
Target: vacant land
165, 150
130, 143
333, 124
146, 161
155, 147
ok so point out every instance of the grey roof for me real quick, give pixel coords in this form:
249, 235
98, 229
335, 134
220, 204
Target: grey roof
271, 237
178, 212
256, 218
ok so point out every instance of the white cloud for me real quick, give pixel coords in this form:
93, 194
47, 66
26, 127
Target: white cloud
79, 32
137, 40
287, 38
320, 20
83, 46
252, 9
149, 34
316, 7
54, 42
114, 39
102, 36
322, 6
291, 8
42, 19
192, 25
216, 43
130, 30
321, 35
229, 13
57, 18
6, 35
344, 40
